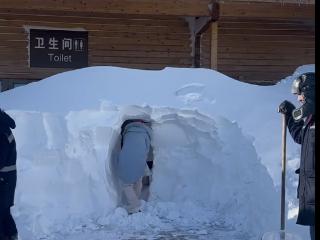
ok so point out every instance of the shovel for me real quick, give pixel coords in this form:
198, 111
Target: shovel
282, 235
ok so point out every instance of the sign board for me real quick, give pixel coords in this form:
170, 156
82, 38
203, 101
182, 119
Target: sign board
58, 48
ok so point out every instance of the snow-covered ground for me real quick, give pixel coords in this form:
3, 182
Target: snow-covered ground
217, 145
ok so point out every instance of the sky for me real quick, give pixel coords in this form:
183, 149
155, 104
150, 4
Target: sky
217, 147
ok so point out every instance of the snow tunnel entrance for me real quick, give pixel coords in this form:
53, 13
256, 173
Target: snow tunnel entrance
131, 159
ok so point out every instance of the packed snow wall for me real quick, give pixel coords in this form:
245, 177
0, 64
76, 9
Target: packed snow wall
201, 164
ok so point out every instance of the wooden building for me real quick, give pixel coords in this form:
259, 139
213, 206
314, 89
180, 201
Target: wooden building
257, 41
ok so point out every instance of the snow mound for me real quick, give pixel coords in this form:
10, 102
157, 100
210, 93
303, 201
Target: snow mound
217, 147
205, 171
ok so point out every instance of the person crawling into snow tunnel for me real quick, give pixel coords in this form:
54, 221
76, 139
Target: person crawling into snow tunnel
135, 161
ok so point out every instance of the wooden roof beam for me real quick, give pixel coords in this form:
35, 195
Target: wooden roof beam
203, 23
151, 7
267, 10
299, 2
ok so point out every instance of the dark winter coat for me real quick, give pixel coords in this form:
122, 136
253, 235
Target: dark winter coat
303, 132
8, 157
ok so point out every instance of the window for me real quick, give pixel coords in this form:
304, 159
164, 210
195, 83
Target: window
7, 84
18, 84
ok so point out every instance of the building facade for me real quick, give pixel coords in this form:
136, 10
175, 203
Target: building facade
257, 41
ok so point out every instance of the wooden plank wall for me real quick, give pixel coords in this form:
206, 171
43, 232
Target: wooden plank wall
262, 51
137, 41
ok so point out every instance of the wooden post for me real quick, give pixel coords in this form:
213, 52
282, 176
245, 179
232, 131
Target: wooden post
197, 51
214, 46
283, 178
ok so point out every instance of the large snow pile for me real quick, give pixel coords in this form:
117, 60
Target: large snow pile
217, 147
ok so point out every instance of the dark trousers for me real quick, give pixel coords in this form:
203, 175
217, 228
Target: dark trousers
7, 225
312, 233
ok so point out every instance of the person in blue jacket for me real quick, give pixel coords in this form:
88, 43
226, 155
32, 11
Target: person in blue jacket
8, 177
132, 160
301, 125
